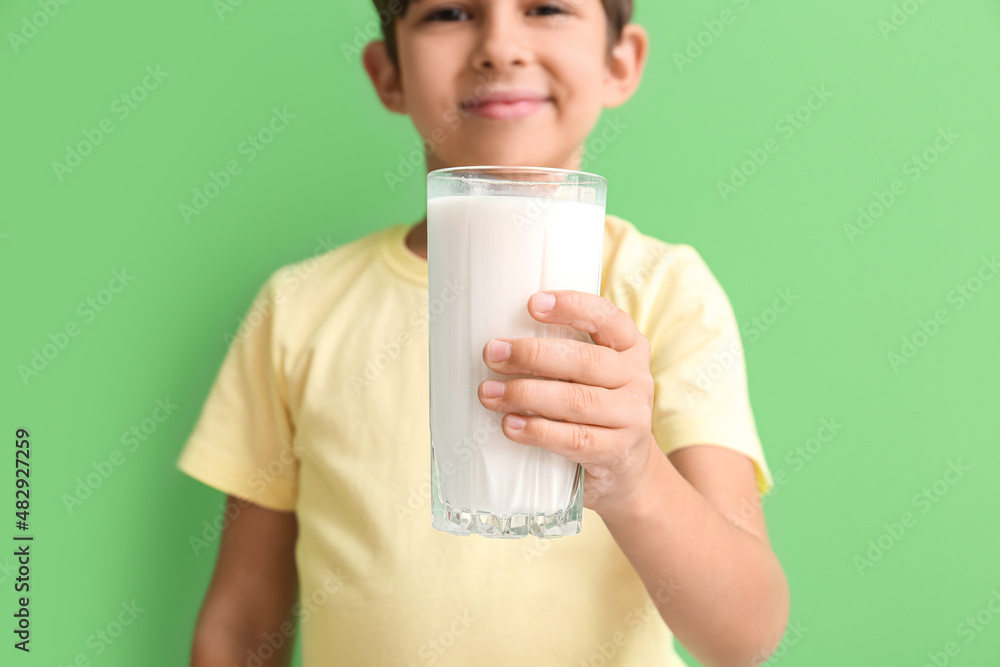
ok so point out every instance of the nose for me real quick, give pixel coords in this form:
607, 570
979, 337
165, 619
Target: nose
501, 43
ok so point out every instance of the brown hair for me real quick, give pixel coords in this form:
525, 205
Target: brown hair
619, 13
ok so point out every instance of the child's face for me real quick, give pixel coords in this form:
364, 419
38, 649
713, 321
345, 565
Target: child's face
456, 58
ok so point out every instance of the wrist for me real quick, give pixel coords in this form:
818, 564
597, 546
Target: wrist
640, 505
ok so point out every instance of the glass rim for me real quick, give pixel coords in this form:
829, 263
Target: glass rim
445, 171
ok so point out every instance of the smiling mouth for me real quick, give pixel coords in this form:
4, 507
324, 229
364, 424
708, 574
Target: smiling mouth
505, 110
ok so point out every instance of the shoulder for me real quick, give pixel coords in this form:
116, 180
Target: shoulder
642, 272
315, 279
626, 248
296, 297
329, 260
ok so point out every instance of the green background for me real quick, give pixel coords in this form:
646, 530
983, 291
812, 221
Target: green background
322, 178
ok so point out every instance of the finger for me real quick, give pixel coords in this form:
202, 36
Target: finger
579, 443
563, 401
607, 324
559, 358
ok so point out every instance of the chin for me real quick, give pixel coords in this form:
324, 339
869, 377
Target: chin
504, 158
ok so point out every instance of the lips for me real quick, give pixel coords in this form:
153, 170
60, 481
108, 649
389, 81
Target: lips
506, 104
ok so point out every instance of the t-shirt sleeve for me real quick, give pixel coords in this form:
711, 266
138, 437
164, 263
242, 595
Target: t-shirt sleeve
697, 363
242, 443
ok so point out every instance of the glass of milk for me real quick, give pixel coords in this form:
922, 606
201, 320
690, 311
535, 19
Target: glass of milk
495, 236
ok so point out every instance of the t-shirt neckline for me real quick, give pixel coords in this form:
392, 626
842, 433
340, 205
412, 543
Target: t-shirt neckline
400, 258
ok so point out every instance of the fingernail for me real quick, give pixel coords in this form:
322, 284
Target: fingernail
493, 389
499, 350
544, 301
516, 422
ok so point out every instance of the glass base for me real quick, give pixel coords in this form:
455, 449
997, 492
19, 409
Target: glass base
450, 517
458, 522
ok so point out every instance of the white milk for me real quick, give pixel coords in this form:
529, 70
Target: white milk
495, 252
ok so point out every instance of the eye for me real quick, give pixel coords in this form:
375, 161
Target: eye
550, 10
446, 14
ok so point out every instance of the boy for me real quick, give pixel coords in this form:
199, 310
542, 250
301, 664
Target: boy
317, 424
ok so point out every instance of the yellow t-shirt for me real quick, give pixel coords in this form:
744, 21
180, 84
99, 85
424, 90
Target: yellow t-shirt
321, 407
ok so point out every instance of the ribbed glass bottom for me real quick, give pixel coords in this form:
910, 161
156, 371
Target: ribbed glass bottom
458, 522
510, 526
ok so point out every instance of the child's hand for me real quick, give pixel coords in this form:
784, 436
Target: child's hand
606, 407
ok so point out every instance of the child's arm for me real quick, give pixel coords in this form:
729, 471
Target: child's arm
696, 535
690, 524
252, 592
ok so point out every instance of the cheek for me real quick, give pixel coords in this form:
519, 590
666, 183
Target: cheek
581, 74
583, 102
426, 75
426, 102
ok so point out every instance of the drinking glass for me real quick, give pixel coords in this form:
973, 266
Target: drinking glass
495, 236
